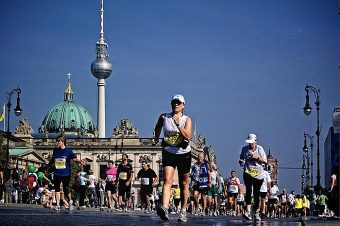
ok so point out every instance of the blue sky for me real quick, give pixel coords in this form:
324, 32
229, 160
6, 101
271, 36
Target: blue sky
241, 65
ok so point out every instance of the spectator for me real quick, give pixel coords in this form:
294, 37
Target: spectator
39, 195
24, 190
47, 199
16, 184
8, 190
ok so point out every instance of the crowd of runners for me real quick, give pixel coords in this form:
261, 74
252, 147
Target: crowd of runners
200, 189
210, 193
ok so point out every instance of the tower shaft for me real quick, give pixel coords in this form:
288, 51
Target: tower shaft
101, 108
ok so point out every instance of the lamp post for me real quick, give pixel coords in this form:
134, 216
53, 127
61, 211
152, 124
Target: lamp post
121, 137
305, 149
116, 147
307, 157
307, 110
17, 112
303, 169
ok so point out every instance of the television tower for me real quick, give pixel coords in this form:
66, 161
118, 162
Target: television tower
101, 68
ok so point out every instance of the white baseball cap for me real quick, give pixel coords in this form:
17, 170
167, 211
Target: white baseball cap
179, 97
251, 138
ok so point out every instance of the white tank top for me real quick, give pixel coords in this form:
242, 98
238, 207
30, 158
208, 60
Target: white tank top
172, 135
213, 175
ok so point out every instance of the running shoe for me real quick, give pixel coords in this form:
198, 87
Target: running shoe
57, 208
147, 211
162, 211
119, 209
182, 216
263, 216
71, 208
247, 216
203, 214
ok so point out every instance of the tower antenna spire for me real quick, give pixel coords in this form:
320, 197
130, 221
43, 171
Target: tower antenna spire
102, 21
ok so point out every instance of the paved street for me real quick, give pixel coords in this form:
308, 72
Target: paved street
35, 215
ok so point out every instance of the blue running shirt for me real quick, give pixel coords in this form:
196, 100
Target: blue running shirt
62, 161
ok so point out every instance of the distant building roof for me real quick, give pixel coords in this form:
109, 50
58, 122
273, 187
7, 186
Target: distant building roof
19, 150
68, 117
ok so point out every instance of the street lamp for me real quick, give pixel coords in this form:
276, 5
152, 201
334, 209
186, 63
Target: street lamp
17, 112
307, 110
305, 149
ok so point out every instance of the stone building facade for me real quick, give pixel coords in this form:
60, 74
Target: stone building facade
98, 151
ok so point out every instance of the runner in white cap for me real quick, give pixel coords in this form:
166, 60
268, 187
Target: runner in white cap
252, 157
176, 153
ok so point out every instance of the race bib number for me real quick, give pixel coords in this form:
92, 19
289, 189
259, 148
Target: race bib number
60, 163
172, 138
252, 171
123, 175
233, 189
203, 180
145, 181
109, 178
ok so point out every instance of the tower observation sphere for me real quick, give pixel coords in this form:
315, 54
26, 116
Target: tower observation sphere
101, 68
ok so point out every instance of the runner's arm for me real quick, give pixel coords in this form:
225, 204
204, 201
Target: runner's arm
158, 129
187, 129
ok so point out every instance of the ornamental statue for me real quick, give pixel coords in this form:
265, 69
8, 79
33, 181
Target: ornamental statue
125, 129
24, 128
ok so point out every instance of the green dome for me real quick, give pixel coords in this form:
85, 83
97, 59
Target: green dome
68, 117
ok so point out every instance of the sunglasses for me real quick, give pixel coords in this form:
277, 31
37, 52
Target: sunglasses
176, 102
